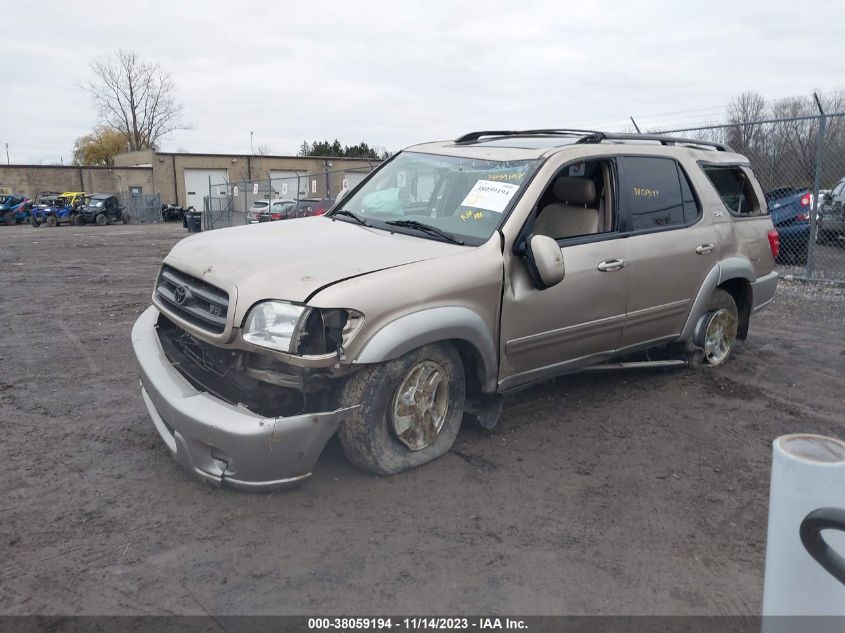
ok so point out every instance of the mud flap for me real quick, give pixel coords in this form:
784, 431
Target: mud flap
485, 410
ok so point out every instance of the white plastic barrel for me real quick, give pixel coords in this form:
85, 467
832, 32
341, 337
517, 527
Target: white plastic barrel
808, 472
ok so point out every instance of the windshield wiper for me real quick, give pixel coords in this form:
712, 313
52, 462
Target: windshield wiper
425, 228
349, 214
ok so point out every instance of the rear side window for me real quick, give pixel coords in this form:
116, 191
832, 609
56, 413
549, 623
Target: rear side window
657, 193
734, 187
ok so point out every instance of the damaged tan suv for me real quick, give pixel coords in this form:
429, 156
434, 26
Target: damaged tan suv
456, 272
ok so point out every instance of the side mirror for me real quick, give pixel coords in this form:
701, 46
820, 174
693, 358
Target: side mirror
544, 260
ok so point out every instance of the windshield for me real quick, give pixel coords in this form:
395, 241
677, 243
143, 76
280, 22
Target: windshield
464, 197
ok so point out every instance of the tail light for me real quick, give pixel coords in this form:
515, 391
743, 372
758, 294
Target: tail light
774, 242
276, 216
806, 200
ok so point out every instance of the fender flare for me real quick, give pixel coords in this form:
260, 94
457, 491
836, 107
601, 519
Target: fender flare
729, 268
432, 326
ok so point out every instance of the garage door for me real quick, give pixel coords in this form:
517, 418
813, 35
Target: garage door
285, 184
196, 185
352, 178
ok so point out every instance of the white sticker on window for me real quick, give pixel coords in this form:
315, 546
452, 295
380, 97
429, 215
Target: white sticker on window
490, 195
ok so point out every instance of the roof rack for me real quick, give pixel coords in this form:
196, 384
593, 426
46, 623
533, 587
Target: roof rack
593, 136
598, 137
474, 136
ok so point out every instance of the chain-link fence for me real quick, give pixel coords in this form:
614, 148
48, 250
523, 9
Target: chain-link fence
800, 163
281, 195
141, 207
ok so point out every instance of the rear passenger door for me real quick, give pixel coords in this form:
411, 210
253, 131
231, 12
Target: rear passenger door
671, 247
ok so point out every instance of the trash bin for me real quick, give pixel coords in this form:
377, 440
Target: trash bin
193, 220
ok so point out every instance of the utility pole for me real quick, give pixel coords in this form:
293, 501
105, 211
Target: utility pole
251, 150
7, 154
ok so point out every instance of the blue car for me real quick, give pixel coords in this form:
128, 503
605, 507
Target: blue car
14, 209
52, 211
790, 209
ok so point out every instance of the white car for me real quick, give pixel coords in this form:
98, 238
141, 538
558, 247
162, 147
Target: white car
255, 211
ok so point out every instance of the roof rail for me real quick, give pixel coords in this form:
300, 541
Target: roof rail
593, 136
598, 137
474, 136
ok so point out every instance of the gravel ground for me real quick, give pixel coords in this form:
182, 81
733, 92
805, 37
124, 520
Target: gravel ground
626, 493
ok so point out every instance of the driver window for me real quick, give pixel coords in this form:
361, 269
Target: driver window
578, 202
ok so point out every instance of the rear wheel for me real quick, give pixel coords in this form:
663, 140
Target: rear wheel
409, 410
34, 222
718, 328
9, 218
51, 221
101, 219
79, 220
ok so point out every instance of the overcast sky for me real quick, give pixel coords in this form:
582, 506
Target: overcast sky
395, 73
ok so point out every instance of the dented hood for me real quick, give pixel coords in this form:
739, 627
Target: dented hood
292, 259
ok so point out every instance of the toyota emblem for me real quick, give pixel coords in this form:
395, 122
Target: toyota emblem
180, 294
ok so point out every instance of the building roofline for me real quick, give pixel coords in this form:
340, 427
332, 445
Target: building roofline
100, 167
253, 156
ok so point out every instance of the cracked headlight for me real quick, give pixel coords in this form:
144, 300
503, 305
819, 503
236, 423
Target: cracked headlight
274, 324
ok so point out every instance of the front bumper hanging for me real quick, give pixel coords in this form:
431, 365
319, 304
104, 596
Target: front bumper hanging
221, 443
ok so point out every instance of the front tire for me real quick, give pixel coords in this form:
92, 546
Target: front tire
51, 221
9, 218
409, 410
101, 219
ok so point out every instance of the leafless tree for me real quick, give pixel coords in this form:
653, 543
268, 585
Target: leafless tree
264, 150
136, 98
745, 112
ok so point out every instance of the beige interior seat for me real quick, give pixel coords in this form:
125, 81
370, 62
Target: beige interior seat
575, 211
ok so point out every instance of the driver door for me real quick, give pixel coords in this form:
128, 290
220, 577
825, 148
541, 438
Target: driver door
580, 320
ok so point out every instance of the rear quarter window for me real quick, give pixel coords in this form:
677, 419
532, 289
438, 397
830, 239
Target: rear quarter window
735, 188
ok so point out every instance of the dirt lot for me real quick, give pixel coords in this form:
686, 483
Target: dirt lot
636, 492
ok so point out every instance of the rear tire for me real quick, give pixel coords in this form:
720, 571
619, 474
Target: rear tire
9, 218
422, 393
101, 219
717, 329
34, 222
51, 221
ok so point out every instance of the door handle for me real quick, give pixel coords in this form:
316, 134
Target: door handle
703, 249
609, 265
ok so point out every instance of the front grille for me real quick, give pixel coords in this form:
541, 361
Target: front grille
193, 300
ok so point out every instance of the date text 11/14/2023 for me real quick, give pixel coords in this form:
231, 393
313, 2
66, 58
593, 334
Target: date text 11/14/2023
416, 623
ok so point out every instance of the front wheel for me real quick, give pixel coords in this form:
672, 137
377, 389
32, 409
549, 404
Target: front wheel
718, 328
34, 222
409, 410
51, 221
9, 218
101, 219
